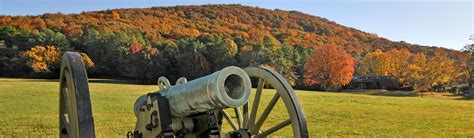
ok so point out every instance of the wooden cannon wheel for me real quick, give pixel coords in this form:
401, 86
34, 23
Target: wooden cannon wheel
75, 112
76, 120
245, 120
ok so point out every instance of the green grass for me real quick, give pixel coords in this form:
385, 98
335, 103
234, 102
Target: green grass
30, 107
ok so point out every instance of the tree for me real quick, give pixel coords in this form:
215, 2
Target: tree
391, 63
49, 37
283, 61
108, 49
87, 61
143, 65
7, 33
470, 66
43, 59
329, 66
220, 52
260, 37
193, 65
424, 73
375, 64
190, 61
418, 74
115, 15
23, 39
271, 43
397, 61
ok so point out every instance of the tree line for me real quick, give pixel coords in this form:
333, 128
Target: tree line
191, 41
126, 54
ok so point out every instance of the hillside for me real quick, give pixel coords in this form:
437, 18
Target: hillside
113, 32
161, 23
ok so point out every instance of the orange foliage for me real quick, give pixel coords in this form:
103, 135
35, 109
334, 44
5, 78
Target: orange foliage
115, 15
162, 23
40, 57
248, 25
329, 66
5, 20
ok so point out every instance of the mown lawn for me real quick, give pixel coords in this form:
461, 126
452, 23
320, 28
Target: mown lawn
30, 107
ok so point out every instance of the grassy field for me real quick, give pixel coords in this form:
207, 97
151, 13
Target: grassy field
30, 107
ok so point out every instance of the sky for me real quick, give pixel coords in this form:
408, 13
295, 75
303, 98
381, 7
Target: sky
442, 23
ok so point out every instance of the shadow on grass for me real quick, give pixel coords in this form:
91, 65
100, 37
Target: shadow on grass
27, 80
93, 80
463, 97
384, 93
397, 94
113, 81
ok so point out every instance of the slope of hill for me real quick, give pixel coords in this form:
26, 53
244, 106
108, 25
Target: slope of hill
113, 32
250, 23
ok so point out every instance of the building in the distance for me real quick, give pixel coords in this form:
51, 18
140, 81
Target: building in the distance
372, 82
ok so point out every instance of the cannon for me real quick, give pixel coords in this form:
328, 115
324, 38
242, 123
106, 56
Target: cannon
227, 103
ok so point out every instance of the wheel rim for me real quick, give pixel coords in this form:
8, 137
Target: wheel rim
246, 119
75, 112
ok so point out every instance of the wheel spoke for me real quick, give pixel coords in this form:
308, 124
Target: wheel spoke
64, 96
255, 104
67, 125
238, 114
284, 91
229, 120
275, 128
246, 115
266, 112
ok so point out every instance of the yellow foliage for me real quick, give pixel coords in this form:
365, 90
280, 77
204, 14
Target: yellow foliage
52, 54
39, 67
87, 61
377, 62
41, 57
425, 72
410, 69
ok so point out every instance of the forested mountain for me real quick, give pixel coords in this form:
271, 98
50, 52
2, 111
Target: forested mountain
194, 40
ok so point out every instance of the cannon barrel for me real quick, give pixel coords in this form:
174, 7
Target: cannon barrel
229, 87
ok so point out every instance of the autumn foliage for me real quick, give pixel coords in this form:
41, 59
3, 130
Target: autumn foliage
329, 66
88, 63
145, 43
423, 73
43, 58
411, 69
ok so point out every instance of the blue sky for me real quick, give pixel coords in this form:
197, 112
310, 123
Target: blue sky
444, 23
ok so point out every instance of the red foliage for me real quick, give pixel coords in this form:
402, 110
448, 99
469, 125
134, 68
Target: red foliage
135, 48
329, 66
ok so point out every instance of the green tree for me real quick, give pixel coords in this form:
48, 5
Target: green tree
7, 33
221, 53
283, 61
271, 43
49, 37
107, 49
190, 60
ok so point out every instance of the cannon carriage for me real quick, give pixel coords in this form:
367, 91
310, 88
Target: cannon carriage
222, 104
